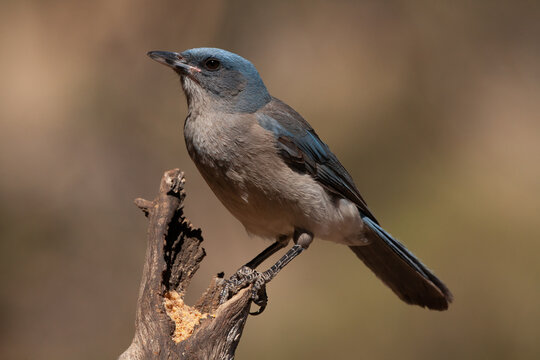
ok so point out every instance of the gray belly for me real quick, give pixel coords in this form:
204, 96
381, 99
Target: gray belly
251, 198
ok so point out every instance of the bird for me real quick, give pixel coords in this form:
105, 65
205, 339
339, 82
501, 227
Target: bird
271, 170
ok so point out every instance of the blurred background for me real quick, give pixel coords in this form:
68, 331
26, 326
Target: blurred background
434, 107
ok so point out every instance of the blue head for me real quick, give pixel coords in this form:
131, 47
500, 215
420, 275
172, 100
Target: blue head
217, 79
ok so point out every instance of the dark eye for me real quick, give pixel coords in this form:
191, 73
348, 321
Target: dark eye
212, 64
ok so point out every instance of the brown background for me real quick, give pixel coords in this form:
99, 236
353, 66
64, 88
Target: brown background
432, 106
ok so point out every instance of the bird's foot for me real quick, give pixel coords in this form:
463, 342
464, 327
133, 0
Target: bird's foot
246, 276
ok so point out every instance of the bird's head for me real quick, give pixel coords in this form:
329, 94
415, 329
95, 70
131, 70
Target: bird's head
216, 79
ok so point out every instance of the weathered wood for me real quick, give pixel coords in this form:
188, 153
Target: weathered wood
165, 327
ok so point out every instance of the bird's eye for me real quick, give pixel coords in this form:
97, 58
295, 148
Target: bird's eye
212, 64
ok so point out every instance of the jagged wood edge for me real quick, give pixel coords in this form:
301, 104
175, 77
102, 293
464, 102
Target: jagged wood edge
173, 256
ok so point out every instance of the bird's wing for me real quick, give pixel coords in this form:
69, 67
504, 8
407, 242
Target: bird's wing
305, 152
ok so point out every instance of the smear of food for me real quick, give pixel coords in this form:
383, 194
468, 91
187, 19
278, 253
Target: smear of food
184, 316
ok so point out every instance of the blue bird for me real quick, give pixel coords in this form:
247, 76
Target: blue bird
271, 170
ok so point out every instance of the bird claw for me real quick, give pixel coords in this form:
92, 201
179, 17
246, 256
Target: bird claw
246, 276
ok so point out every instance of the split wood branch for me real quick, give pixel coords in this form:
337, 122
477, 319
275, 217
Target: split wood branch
165, 327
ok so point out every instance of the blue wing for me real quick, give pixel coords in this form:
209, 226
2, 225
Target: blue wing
305, 152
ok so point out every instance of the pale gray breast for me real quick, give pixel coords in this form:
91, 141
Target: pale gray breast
239, 161
227, 150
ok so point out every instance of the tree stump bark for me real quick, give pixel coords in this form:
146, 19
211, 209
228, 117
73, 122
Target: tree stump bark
165, 327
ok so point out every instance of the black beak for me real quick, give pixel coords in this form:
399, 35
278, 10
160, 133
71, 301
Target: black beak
173, 60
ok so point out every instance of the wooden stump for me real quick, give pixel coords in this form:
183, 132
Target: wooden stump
165, 327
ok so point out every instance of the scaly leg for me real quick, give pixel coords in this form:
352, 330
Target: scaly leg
248, 276
279, 244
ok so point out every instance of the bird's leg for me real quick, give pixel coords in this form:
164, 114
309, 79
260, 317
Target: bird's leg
279, 244
246, 275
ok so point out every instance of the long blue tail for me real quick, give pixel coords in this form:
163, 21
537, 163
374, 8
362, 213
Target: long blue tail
398, 268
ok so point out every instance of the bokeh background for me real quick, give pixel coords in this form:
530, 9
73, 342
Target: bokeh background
434, 107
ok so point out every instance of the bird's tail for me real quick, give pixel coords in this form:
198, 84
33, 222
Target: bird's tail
398, 268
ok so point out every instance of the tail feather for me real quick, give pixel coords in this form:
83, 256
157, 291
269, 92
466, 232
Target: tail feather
398, 268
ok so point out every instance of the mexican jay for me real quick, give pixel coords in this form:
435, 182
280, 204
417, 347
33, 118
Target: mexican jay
271, 170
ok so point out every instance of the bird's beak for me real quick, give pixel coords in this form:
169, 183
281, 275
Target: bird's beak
173, 60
